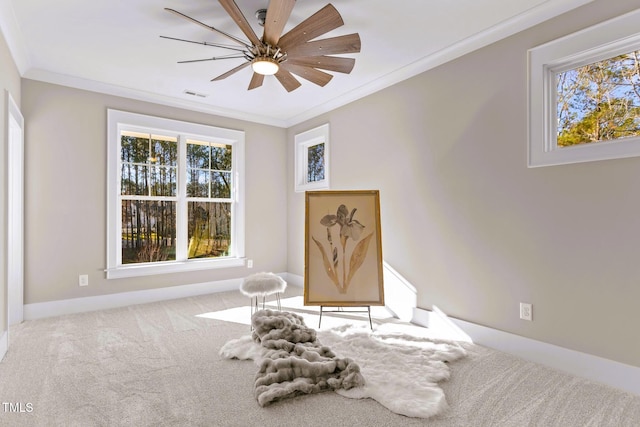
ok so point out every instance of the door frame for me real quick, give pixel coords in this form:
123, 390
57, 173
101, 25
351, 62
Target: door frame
15, 213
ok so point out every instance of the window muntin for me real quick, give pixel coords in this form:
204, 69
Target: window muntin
209, 169
148, 164
175, 196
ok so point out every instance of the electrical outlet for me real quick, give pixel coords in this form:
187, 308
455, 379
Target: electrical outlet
526, 311
83, 280
249, 263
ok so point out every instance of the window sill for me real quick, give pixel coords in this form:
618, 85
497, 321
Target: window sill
172, 267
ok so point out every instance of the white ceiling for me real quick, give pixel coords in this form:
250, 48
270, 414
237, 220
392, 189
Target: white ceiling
113, 46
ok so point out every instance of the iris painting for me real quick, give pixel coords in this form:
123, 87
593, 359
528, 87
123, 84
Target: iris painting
336, 262
343, 253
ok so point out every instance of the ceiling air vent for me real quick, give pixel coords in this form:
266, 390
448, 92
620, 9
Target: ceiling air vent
192, 93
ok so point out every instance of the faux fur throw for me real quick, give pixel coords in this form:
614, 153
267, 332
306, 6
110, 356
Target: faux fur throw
402, 370
293, 362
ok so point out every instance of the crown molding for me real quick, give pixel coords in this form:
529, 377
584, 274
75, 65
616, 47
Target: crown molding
504, 29
13, 36
536, 15
139, 95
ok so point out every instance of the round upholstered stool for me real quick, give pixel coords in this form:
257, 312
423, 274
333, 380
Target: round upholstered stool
261, 285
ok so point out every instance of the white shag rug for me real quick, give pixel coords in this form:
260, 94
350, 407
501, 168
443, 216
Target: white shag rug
401, 371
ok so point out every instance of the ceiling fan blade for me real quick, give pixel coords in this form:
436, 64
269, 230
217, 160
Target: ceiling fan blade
215, 58
256, 81
277, 16
287, 80
331, 63
230, 72
234, 12
314, 76
321, 22
202, 24
334, 45
222, 46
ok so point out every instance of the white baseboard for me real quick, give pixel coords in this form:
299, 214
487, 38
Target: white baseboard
605, 371
4, 344
293, 279
102, 302
123, 299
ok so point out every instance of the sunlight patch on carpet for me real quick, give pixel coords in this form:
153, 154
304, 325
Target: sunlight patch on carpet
311, 314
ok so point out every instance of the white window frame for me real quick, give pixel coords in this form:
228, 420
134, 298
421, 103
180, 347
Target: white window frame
593, 44
119, 120
303, 141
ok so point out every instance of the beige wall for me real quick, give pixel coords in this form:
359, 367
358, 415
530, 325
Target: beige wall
65, 204
9, 82
465, 220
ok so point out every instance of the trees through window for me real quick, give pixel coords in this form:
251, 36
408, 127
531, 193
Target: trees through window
312, 159
148, 182
599, 101
175, 195
584, 95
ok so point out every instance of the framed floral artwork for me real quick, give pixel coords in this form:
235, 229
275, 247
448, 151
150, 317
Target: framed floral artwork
343, 250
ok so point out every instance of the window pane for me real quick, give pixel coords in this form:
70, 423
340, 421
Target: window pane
148, 231
198, 183
209, 229
164, 150
221, 157
135, 179
198, 155
315, 160
221, 185
163, 181
599, 101
134, 148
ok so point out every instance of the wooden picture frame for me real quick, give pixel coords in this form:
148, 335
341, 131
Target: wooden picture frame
343, 228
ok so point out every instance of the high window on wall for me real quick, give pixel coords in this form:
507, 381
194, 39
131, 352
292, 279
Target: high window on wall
175, 196
312, 159
585, 95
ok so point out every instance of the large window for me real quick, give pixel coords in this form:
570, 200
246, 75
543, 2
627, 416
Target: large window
174, 197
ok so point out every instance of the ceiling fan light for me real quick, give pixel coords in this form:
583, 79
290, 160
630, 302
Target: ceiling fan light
265, 65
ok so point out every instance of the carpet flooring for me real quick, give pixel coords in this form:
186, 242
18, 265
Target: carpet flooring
158, 365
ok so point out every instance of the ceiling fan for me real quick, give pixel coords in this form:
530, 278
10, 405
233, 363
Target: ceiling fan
296, 52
